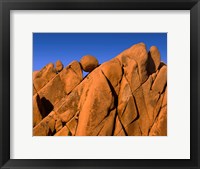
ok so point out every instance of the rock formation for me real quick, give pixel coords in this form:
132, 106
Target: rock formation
88, 63
59, 66
126, 96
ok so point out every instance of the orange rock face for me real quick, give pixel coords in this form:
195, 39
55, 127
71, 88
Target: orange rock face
126, 96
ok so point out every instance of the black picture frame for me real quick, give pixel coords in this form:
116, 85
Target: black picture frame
7, 5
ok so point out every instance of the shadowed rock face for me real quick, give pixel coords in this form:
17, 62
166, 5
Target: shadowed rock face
126, 96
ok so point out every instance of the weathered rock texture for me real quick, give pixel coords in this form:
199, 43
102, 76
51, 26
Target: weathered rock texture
126, 96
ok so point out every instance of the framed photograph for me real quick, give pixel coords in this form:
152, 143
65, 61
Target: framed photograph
101, 84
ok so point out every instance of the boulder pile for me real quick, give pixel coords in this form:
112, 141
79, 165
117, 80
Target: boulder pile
126, 96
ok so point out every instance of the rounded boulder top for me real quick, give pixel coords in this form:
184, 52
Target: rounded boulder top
88, 63
59, 66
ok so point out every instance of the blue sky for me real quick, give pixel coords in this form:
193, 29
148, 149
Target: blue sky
50, 47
